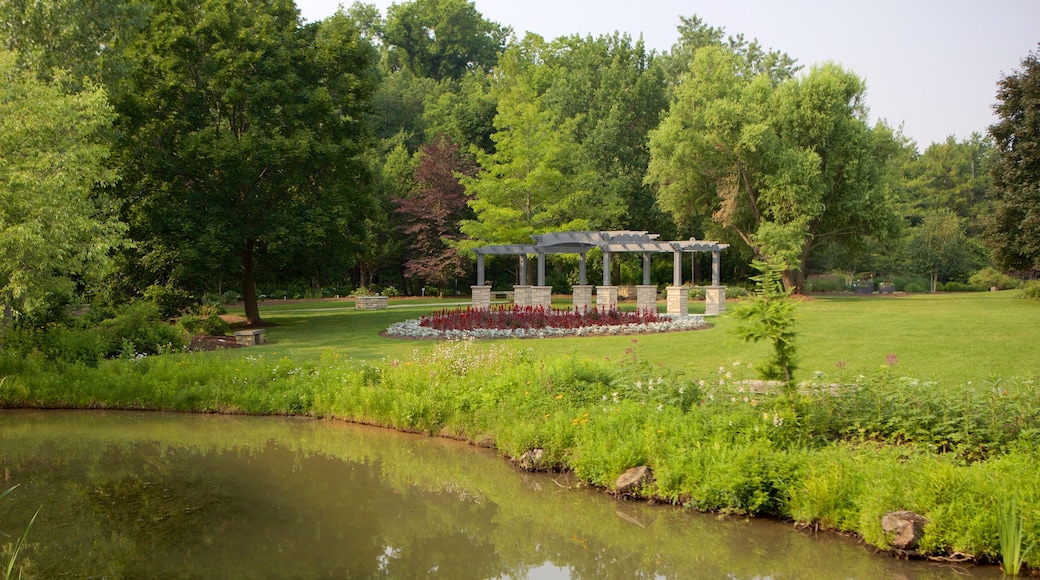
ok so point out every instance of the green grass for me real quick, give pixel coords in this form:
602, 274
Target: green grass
944, 337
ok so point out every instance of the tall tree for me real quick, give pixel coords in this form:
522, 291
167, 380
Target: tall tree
613, 92
952, 174
938, 247
244, 132
533, 182
788, 166
52, 154
442, 39
1014, 233
431, 214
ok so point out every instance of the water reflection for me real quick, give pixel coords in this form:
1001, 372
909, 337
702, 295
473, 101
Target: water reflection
134, 495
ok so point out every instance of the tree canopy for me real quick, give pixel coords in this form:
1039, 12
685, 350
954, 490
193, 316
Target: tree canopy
1014, 232
789, 166
53, 229
244, 135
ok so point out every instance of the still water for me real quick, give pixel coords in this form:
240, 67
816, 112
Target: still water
153, 495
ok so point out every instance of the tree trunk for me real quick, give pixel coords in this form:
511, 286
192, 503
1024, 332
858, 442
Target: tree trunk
794, 281
934, 277
249, 284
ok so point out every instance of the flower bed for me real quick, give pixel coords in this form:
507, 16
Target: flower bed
538, 322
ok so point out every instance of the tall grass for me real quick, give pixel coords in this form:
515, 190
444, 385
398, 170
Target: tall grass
13, 550
1012, 542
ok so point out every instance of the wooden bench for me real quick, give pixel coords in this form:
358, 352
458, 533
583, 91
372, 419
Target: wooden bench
370, 303
250, 337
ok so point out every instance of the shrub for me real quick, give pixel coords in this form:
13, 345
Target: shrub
190, 324
989, 277
170, 301
214, 325
954, 286
826, 283
138, 325
390, 292
230, 297
1032, 290
915, 287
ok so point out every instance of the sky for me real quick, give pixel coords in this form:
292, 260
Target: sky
931, 66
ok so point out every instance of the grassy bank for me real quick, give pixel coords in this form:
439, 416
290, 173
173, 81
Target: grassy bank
856, 443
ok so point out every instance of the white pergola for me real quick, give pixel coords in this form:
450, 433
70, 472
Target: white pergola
609, 243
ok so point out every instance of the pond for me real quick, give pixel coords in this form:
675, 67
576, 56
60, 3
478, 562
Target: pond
155, 495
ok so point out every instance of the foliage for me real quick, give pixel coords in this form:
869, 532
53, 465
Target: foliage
952, 175
1031, 290
1014, 233
243, 136
431, 213
54, 232
789, 166
1012, 550
442, 39
990, 277
769, 315
938, 246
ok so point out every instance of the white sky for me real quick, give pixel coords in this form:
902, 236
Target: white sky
930, 65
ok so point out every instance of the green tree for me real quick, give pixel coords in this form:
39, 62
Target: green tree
1014, 233
790, 167
52, 154
938, 247
769, 314
243, 138
613, 91
954, 175
531, 183
442, 39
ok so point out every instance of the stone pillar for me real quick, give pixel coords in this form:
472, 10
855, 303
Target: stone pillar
714, 300
716, 268
678, 301
522, 295
541, 296
646, 298
481, 297
606, 297
523, 270
541, 269
676, 268
646, 269
582, 297
480, 270
581, 270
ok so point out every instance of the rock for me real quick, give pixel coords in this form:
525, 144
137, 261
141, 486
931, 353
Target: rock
632, 480
531, 459
904, 528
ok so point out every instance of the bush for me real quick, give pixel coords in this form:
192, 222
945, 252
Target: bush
954, 286
1031, 290
915, 287
230, 297
826, 283
214, 325
992, 278
391, 291
138, 326
190, 324
170, 301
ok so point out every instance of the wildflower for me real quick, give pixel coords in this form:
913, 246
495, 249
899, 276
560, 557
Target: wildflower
840, 364
660, 407
729, 375
891, 360
681, 390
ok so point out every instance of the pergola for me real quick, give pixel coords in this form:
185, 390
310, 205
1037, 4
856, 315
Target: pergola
609, 243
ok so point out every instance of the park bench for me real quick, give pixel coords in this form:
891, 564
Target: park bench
249, 337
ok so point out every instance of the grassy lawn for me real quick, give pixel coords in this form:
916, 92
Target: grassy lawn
945, 337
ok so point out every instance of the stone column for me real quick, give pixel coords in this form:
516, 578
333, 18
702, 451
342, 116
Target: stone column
582, 297
716, 268
646, 298
541, 296
581, 270
480, 270
606, 297
714, 300
646, 269
522, 295
481, 297
606, 272
676, 268
541, 269
523, 270
678, 301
